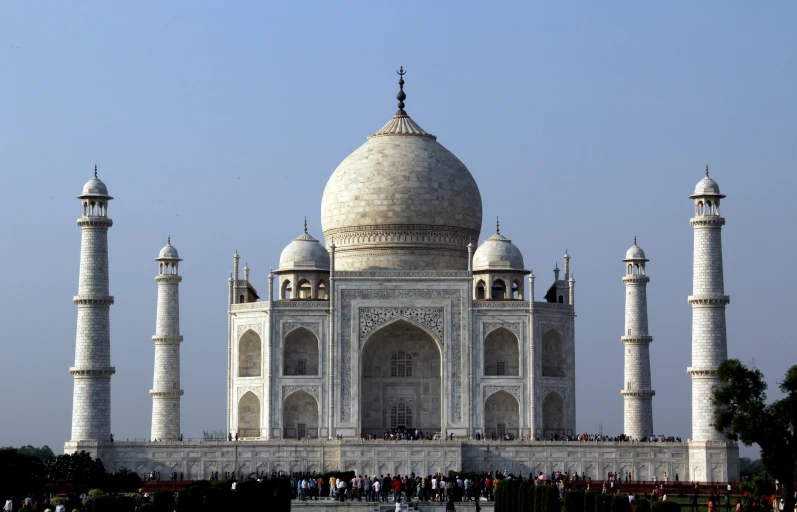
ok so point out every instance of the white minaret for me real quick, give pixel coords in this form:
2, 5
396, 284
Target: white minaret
708, 300
166, 390
91, 401
637, 395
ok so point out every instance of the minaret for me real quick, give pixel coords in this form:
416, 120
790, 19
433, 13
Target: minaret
166, 390
708, 300
637, 395
91, 401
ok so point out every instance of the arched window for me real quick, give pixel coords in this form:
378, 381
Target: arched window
501, 353
516, 290
401, 364
561, 299
241, 299
400, 415
322, 291
305, 289
287, 290
498, 289
300, 353
480, 290
249, 355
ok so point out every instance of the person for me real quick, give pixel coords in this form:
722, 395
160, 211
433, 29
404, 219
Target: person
676, 478
450, 504
9, 506
398, 505
478, 506
60, 507
377, 485
738, 505
693, 502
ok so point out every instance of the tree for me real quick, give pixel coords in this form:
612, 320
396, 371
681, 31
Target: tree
741, 413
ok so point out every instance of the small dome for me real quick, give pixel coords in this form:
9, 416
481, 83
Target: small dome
304, 253
707, 187
168, 252
635, 253
499, 253
95, 188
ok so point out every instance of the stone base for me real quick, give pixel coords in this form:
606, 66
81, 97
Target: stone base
198, 459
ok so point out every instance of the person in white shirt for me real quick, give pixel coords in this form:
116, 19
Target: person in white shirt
434, 489
9, 506
377, 489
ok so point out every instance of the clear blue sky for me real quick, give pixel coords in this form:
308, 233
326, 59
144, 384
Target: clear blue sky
219, 123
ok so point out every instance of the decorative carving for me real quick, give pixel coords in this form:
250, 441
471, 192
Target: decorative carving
562, 390
490, 327
401, 274
242, 390
512, 390
256, 328
305, 304
500, 304
373, 318
315, 391
406, 399
455, 343
313, 327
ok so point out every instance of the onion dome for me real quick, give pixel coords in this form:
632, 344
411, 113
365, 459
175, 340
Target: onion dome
168, 252
707, 187
95, 188
635, 253
401, 201
304, 253
497, 253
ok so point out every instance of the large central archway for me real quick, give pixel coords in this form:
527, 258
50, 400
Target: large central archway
401, 380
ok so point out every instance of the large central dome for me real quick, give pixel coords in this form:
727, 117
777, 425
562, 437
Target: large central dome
401, 201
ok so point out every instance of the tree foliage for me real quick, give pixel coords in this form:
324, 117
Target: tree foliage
741, 413
20, 473
78, 469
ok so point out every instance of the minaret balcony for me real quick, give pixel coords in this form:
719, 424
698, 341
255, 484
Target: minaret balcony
93, 299
702, 372
92, 372
707, 220
638, 392
708, 300
92, 221
167, 340
636, 340
167, 394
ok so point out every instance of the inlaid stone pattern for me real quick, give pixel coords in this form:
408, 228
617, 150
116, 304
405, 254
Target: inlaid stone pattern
347, 296
313, 327
372, 318
512, 390
512, 327
242, 390
315, 391
257, 328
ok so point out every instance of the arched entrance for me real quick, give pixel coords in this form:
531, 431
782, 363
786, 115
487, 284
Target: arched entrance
299, 416
501, 414
401, 380
553, 415
249, 415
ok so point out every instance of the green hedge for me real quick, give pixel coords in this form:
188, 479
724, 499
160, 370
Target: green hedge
525, 499
620, 503
498, 496
163, 501
603, 503
589, 501
551, 499
107, 503
642, 504
574, 501
666, 506
539, 498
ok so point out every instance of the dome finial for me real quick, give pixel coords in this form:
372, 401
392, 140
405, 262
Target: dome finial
169, 240
634, 239
497, 226
706, 170
401, 96
95, 171
305, 223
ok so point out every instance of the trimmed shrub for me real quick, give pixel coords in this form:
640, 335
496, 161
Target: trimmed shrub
620, 503
147, 507
574, 501
218, 498
248, 495
530, 496
103, 503
589, 501
666, 506
603, 503
523, 496
498, 496
539, 498
642, 505
163, 500
552, 503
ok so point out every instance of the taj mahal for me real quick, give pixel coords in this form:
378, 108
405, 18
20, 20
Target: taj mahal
405, 316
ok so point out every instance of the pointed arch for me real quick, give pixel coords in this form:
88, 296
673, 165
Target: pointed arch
300, 352
501, 353
321, 294
553, 414
498, 289
481, 289
249, 415
286, 290
299, 415
553, 354
304, 290
501, 414
249, 354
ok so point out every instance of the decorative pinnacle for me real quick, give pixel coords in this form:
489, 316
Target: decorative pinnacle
706, 170
169, 240
95, 171
401, 96
305, 223
634, 239
497, 225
